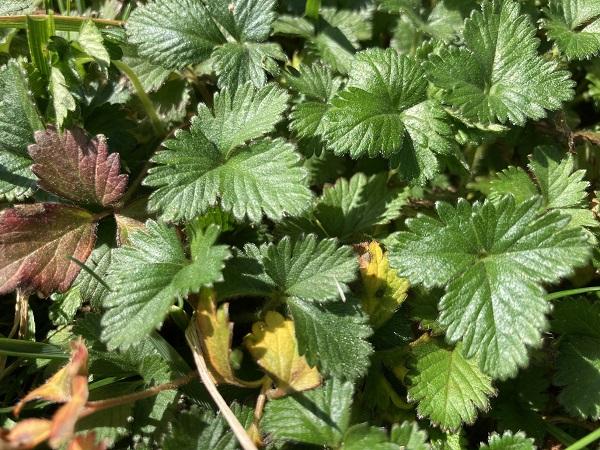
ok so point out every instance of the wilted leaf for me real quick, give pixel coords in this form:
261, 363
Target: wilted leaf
36, 242
216, 332
29, 433
273, 345
76, 167
383, 290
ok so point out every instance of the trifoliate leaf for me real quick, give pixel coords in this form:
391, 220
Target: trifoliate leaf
498, 76
208, 163
76, 167
574, 25
448, 387
409, 437
36, 242
383, 291
273, 345
62, 99
333, 337
244, 20
238, 63
492, 259
202, 430
319, 417
148, 274
309, 268
508, 441
216, 330
19, 119
561, 187
173, 33
315, 81
578, 366
91, 41
351, 208
362, 436
384, 111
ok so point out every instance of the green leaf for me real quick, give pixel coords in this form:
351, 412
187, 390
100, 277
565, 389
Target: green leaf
14, 7
28, 349
201, 430
561, 187
351, 208
152, 76
244, 20
306, 267
91, 41
363, 436
173, 33
492, 259
384, 111
578, 365
148, 274
449, 388
498, 76
19, 119
508, 441
210, 164
62, 99
409, 437
333, 337
239, 63
90, 288
319, 416
36, 241
574, 25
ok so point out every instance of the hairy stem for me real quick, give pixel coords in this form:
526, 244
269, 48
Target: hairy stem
581, 443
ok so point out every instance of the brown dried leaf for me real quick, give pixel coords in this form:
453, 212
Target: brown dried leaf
36, 242
28, 433
76, 167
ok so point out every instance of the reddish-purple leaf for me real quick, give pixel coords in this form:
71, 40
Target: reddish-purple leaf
77, 167
36, 242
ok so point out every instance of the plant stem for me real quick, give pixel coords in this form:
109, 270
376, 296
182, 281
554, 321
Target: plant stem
143, 96
95, 406
581, 443
238, 430
312, 9
567, 293
62, 23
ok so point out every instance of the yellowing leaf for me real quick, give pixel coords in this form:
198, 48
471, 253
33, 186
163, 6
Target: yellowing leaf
273, 345
383, 290
216, 332
58, 388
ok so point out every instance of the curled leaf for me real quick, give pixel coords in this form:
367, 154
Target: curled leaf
59, 388
36, 242
273, 345
216, 332
29, 433
76, 167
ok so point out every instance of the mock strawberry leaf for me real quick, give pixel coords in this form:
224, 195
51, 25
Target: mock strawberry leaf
36, 242
384, 110
149, 273
211, 163
574, 25
76, 167
508, 441
449, 388
492, 259
19, 119
498, 75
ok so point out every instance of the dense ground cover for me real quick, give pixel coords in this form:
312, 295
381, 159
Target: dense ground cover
361, 224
